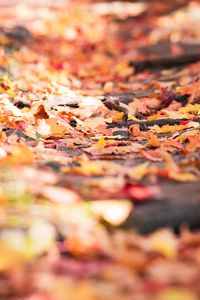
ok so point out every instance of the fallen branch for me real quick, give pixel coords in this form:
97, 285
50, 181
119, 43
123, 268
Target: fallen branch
145, 124
167, 61
180, 206
157, 214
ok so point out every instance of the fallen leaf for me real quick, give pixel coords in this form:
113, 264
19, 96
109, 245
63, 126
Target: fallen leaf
101, 143
139, 192
19, 154
164, 242
170, 128
51, 128
114, 212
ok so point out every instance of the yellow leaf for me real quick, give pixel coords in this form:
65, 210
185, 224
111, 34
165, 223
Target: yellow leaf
11, 93
170, 128
101, 143
190, 108
164, 242
153, 117
118, 117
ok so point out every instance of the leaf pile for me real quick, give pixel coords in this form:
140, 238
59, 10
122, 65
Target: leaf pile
99, 118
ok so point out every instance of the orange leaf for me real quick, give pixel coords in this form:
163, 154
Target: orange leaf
57, 130
50, 128
19, 155
153, 140
169, 128
118, 117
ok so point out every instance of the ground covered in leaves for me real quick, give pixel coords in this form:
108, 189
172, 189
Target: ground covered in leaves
99, 151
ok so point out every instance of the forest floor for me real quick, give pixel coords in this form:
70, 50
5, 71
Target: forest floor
100, 151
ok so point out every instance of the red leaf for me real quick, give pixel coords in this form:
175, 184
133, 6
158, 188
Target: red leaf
138, 192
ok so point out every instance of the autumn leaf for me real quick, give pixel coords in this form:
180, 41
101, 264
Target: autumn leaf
139, 192
118, 117
101, 143
19, 154
164, 242
170, 128
114, 212
99, 132
50, 128
153, 141
190, 108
